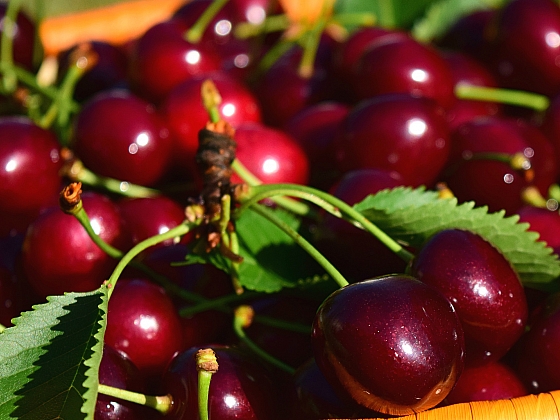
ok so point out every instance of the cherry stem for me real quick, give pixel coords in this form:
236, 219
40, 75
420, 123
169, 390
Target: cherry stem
294, 206
243, 317
78, 172
311, 38
2, 328
386, 14
163, 403
276, 23
196, 31
9, 81
206, 365
178, 230
303, 243
504, 96
274, 53
329, 203
359, 19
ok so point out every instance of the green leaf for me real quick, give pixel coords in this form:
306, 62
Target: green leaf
49, 359
270, 257
441, 15
413, 215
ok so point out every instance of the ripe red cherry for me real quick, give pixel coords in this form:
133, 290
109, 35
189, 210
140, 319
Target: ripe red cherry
29, 171
393, 344
395, 132
143, 324
58, 254
119, 135
242, 388
544, 221
270, 154
483, 287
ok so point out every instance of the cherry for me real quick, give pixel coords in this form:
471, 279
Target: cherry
241, 388
315, 128
143, 324
29, 177
537, 361
9, 297
356, 253
109, 71
270, 154
402, 65
162, 58
118, 371
146, 217
492, 381
544, 221
59, 256
23, 38
392, 343
185, 114
481, 167
395, 132
121, 136
483, 287
526, 43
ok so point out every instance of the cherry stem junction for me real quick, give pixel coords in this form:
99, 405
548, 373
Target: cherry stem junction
162, 403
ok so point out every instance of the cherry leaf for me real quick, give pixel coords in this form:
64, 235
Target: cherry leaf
413, 215
49, 359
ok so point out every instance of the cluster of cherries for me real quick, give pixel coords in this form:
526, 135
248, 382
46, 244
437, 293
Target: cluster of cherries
378, 110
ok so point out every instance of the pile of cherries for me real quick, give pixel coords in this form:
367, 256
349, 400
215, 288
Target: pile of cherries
378, 110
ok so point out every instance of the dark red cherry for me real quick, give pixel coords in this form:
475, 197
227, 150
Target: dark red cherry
393, 344
143, 324
397, 64
241, 388
482, 286
545, 221
121, 136
482, 167
30, 167
150, 216
395, 132
162, 58
537, 361
118, 371
23, 37
185, 115
526, 45
492, 381
58, 254
270, 154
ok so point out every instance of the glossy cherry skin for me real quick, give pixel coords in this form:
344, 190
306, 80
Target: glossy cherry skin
118, 371
403, 65
492, 381
537, 361
23, 39
393, 344
162, 58
143, 324
185, 115
493, 182
121, 136
242, 388
270, 154
526, 46
30, 166
58, 254
395, 132
483, 287
150, 216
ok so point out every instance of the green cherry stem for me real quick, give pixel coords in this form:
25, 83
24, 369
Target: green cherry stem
243, 317
2, 328
275, 23
310, 41
303, 243
206, 365
163, 403
9, 82
504, 96
329, 203
195, 32
287, 203
178, 230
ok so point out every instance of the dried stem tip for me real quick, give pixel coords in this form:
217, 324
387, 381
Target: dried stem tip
206, 360
245, 315
71, 197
